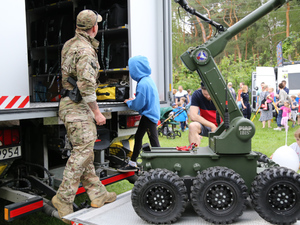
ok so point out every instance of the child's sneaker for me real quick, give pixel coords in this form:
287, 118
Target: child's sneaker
128, 168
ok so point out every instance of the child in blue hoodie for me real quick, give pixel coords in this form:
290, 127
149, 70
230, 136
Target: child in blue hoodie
146, 102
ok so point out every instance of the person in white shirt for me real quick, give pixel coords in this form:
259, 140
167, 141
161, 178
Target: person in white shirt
181, 93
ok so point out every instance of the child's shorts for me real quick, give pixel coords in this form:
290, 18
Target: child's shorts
284, 121
294, 115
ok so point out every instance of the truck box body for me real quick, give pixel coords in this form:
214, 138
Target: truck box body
262, 74
35, 31
272, 77
291, 74
20, 49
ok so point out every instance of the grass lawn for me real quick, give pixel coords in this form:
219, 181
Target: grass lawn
265, 141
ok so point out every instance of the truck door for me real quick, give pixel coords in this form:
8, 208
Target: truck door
14, 86
150, 35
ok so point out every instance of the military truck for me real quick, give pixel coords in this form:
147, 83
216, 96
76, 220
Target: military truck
33, 143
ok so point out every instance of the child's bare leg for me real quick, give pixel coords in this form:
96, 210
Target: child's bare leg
269, 123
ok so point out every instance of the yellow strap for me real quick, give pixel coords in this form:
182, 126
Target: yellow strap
275, 106
255, 114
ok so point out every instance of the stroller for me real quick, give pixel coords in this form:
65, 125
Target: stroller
167, 125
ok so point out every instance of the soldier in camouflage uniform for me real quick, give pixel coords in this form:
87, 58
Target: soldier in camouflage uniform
80, 61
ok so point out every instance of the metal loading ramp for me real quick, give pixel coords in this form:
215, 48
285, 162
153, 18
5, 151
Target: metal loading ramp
122, 212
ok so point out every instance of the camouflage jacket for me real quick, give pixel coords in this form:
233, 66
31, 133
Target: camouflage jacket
79, 61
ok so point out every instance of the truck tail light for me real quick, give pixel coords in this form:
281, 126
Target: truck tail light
9, 136
133, 121
15, 136
1, 138
129, 121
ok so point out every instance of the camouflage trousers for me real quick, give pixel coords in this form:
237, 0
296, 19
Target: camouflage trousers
82, 133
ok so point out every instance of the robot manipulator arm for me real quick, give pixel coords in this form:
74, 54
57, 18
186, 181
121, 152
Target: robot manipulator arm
186, 7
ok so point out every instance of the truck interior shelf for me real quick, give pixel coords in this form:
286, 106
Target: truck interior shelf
44, 75
50, 23
114, 30
116, 70
41, 7
48, 47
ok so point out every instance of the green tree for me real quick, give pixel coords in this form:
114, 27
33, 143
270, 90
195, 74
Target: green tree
254, 46
187, 79
236, 72
290, 47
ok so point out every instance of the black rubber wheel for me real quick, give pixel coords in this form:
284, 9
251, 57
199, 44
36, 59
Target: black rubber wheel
264, 159
160, 133
219, 195
132, 179
275, 195
159, 196
177, 133
171, 135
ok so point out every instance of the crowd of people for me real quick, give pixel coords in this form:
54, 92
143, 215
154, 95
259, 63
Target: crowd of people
201, 114
285, 106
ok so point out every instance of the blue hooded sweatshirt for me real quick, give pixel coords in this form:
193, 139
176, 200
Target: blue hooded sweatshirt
146, 100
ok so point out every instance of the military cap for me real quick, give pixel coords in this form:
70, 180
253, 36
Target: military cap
86, 19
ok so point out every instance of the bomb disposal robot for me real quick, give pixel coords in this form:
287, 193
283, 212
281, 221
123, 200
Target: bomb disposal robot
217, 179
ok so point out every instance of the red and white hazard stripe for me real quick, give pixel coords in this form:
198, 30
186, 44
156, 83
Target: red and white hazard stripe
14, 102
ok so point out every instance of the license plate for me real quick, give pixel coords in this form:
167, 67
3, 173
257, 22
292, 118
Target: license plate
9, 153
